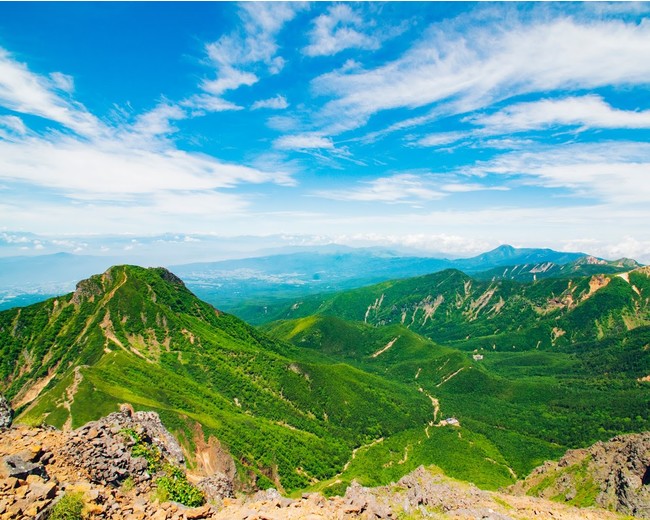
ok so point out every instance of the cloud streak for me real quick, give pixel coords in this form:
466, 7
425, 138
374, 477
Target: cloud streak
587, 111
499, 61
27, 93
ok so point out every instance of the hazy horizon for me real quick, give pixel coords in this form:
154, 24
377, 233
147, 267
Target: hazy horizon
156, 130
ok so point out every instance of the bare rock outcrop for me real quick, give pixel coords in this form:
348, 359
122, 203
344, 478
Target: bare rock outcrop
616, 474
103, 448
6, 413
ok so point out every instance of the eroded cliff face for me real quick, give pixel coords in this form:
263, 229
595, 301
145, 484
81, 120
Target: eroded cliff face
613, 475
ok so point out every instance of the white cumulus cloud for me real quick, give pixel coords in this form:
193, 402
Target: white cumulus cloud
341, 28
276, 103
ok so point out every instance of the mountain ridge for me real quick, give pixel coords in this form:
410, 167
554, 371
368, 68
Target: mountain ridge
230, 283
138, 335
318, 402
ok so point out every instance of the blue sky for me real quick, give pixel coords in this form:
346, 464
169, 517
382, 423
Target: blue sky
444, 127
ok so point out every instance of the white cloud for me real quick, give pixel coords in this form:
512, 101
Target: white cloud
237, 57
62, 82
28, 93
210, 103
111, 171
470, 67
228, 78
440, 139
588, 111
157, 122
303, 142
276, 103
612, 172
400, 188
458, 187
14, 124
339, 29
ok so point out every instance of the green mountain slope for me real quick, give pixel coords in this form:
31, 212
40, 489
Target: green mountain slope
523, 405
451, 307
138, 335
350, 390
584, 266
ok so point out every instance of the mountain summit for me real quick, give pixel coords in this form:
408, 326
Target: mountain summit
140, 336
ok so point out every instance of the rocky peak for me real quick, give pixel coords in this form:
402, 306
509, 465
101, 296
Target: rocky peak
103, 448
169, 277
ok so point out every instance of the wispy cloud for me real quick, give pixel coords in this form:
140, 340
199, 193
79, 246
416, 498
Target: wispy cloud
499, 61
610, 172
124, 168
401, 188
12, 124
240, 56
439, 139
586, 111
27, 93
107, 170
303, 142
339, 29
278, 102
409, 188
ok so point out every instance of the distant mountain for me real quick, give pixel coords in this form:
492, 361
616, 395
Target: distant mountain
450, 306
508, 255
29, 279
231, 284
583, 266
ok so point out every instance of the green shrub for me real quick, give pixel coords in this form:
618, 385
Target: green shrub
149, 452
174, 487
128, 484
70, 507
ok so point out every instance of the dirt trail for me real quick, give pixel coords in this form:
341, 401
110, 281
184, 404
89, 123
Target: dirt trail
388, 345
450, 376
355, 450
69, 396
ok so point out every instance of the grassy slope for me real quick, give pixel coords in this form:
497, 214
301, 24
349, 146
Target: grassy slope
279, 407
450, 307
273, 410
516, 408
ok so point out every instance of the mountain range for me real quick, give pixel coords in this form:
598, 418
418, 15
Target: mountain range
233, 284
486, 379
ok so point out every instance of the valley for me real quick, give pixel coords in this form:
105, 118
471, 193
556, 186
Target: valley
483, 379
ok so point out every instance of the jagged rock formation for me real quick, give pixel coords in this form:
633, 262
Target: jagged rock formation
50, 468
6, 413
614, 475
421, 494
100, 460
104, 448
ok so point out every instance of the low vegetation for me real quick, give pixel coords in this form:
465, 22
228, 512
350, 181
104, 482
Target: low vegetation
353, 386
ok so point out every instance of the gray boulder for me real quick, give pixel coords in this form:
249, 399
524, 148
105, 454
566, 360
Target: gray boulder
6, 413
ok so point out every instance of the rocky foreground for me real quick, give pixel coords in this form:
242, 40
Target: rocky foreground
113, 466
